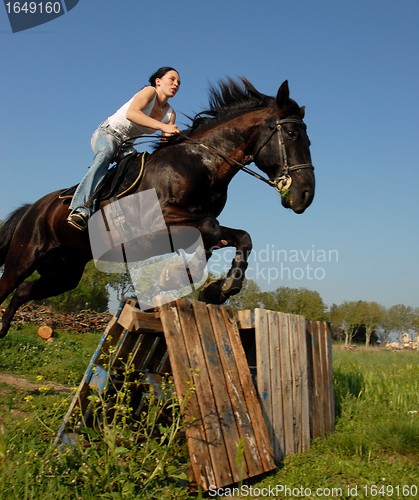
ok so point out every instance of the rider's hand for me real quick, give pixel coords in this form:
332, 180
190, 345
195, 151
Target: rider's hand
170, 128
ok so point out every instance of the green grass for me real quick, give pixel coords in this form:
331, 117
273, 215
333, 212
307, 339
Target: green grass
374, 452
376, 442
23, 352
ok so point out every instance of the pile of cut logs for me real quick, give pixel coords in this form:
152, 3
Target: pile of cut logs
48, 321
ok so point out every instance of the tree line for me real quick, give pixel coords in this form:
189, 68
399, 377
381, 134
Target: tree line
351, 321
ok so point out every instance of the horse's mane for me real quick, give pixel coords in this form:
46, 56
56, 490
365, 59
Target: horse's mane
228, 99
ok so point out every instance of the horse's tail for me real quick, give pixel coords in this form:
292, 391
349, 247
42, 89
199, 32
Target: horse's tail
8, 229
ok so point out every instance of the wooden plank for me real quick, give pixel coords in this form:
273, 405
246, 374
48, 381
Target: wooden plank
165, 366
310, 371
315, 375
234, 387
327, 379
204, 392
322, 380
221, 396
305, 404
249, 392
276, 385
125, 347
286, 376
331, 391
199, 450
133, 319
141, 352
318, 417
296, 381
159, 356
246, 319
264, 368
109, 341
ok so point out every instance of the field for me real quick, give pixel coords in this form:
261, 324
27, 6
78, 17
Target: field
374, 452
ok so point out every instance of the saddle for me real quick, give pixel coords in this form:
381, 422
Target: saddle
120, 180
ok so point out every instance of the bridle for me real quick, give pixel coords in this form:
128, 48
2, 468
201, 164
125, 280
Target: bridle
283, 181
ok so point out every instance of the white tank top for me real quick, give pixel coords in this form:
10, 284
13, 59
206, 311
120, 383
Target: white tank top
130, 130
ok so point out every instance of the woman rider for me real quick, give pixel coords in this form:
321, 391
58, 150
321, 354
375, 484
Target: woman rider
145, 113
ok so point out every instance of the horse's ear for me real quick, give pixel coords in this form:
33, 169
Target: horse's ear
283, 95
302, 112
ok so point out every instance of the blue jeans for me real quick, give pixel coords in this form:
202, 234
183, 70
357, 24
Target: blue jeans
105, 142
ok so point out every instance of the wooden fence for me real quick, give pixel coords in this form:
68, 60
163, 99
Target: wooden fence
292, 360
262, 379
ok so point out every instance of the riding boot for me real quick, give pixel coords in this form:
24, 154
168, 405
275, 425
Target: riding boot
79, 218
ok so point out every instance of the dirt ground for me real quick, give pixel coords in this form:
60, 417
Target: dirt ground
12, 386
24, 385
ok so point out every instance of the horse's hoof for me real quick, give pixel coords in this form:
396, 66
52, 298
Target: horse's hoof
212, 293
3, 330
232, 286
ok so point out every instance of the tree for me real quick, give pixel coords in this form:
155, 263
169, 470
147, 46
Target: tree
385, 326
400, 318
415, 322
301, 301
371, 316
336, 318
347, 318
249, 296
309, 304
121, 283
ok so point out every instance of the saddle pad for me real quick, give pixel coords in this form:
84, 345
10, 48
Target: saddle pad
120, 180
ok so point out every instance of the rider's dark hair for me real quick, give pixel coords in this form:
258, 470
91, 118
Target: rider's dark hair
159, 74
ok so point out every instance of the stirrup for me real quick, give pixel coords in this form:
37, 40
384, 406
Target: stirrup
78, 220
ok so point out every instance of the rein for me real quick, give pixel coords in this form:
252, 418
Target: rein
283, 181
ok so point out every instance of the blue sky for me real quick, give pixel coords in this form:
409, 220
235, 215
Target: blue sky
353, 64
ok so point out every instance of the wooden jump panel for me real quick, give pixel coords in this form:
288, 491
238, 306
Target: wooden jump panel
204, 349
294, 377
282, 380
319, 341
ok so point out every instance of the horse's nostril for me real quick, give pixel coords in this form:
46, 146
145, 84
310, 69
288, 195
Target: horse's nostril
307, 197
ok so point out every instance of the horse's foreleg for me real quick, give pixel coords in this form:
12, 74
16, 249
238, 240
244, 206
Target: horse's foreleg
217, 292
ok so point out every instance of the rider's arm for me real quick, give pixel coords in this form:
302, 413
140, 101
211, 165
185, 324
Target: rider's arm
171, 122
135, 112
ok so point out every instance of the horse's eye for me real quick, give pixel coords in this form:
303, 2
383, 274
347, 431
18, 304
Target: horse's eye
291, 134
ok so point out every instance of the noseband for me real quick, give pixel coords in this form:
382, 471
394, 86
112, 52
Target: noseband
283, 181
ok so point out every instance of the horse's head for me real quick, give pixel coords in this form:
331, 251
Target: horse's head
282, 151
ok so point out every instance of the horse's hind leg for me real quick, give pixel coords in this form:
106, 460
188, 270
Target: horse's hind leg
48, 285
12, 278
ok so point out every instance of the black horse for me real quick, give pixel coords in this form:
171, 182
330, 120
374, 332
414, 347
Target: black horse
191, 174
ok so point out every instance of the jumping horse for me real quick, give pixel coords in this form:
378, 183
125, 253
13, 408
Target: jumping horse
191, 173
